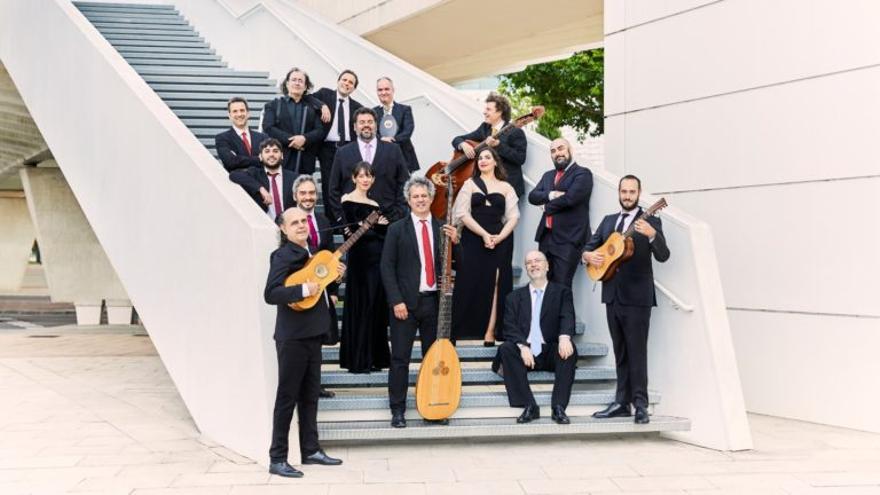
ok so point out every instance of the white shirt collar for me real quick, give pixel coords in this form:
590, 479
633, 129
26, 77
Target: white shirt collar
340, 97
238, 131
532, 287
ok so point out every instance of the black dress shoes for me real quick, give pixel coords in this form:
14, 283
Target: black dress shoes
530, 413
397, 419
285, 469
642, 415
326, 394
615, 410
321, 458
558, 415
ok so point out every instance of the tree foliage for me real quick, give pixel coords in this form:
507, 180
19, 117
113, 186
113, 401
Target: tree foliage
571, 90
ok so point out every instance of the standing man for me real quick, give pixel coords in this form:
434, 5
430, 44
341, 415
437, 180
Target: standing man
411, 273
389, 170
340, 129
538, 326
295, 120
396, 124
238, 148
298, 336
511, 146
628, 299
305, 192
564, 195
270, 185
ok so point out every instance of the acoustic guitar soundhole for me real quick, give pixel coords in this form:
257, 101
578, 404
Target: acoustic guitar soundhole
321, 271
611, 250
440, 369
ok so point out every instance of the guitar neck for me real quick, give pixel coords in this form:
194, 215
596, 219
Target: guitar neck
650, 212
367, 225
444, 317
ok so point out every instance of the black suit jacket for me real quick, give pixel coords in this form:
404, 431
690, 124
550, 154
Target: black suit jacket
405, 127
557, 314
388, 168
633, 285
511, 149
401, 267
252, 178
290, 324
571, 212
278, 123
325, 233
232, 153
329, 97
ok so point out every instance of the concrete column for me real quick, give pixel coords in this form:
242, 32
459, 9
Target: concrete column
16, 241
77, 269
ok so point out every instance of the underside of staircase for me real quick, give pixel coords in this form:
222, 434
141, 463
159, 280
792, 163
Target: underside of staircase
195, 83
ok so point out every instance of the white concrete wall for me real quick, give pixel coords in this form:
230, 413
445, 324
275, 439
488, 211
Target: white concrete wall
16, 240
190, 249
762, 117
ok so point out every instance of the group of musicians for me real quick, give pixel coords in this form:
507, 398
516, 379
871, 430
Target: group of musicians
366, 157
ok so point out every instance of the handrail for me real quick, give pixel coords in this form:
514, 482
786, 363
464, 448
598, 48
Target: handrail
677, 303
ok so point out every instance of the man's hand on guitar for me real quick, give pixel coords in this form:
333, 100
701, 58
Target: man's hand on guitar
451, 232
644, 228
526, 353
492, 142
400, 311
467, 149
341, 269
592, 258
312, 288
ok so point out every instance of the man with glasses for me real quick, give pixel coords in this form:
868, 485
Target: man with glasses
295, 120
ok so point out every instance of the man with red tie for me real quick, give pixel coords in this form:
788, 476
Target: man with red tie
239, 147
411, 271
270, 185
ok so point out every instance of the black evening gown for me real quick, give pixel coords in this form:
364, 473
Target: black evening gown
364, 341
475, 272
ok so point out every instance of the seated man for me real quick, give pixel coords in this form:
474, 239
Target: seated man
269, 184
538, 325
238, 148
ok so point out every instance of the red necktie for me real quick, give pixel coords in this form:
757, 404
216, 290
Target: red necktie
555, 181
429, 255
247, 144
313, 235
276, 198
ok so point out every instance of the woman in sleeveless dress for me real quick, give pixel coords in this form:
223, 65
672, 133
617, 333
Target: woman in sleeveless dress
487, 206
364, 341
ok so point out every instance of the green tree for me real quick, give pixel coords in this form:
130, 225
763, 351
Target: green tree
571, 91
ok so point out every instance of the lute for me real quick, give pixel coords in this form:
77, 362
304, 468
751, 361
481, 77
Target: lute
619, 247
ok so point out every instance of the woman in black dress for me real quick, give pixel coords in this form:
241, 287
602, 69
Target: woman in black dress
487, 205
364, 341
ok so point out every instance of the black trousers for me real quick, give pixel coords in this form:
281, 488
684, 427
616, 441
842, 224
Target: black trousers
516, 381
629, 335
563, 261
403, 334
299, 382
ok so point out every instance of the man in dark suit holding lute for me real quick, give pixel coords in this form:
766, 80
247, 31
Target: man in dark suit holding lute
628, 297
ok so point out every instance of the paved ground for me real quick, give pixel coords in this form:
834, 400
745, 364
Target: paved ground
92, 410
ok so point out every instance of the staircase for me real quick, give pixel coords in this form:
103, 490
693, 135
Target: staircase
195, 83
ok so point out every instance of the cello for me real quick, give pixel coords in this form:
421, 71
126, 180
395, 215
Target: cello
461, 167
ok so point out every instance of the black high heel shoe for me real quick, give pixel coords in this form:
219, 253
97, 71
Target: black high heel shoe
488, 344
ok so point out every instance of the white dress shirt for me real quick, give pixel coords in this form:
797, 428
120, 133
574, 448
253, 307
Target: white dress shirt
333, 134
363, 147
238, 132
417, 224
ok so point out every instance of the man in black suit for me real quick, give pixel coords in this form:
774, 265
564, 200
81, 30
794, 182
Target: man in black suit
511, 145
628, 298
411, 274
239, 147
298, 336
305, 192
339, 128
564, 195
396, 117
389, 170
538, 325
270, 185
295, 120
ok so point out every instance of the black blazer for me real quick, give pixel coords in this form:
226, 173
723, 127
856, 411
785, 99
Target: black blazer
390, 172
325, 233
571, 212
633, 285
405, 127
290, 324
329, 97
511, 149
231, 151
278, 123
252, 178
557, 314
401, 267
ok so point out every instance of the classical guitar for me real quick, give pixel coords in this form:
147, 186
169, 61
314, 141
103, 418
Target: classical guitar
322, 267
438, 389
462, 167
619, 247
